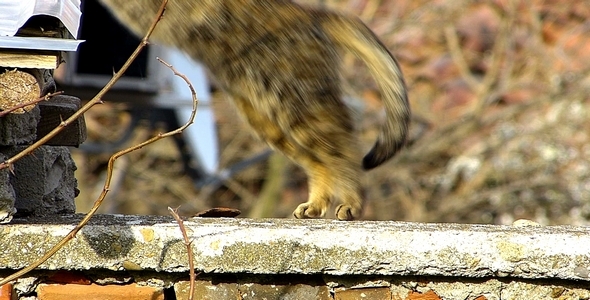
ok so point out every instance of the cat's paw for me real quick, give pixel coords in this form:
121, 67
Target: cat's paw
309, 210
345, 212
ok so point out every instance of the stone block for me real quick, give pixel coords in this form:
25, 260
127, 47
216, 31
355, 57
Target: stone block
206, 290
283, 290
53, 112
7, 197
25, 286
19, 129
44, 182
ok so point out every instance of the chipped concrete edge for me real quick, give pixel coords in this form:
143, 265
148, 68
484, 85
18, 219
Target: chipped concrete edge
285, 246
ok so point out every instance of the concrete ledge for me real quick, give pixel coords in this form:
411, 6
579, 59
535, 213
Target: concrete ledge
280, 246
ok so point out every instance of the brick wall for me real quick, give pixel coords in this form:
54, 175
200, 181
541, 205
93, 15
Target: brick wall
73, 285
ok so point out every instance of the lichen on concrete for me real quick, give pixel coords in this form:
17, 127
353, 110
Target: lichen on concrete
281, 246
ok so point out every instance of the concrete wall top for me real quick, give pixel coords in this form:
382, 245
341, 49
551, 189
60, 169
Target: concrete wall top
285, 246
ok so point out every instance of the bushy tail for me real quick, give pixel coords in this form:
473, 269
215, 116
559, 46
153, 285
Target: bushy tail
356, 37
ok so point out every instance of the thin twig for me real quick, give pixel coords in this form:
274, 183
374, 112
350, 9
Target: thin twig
370, 10
499, 53
193, 93
96, 100
114, 157
459, 57
32, 102
189, 250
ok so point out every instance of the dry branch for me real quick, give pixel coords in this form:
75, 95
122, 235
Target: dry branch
95, 100
189, 250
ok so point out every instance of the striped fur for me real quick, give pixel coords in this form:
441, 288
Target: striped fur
280, 63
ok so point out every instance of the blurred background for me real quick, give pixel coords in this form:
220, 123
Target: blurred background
499, 93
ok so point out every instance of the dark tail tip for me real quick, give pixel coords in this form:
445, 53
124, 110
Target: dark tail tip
371, 160
380, 154
384, 149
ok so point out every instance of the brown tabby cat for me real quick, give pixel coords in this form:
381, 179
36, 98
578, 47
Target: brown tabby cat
280, 62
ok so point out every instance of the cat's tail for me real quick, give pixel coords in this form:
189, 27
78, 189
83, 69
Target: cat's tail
354, 36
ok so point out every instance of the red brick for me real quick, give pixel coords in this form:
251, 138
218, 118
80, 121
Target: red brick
380, 293
6, 292
98, 292
430, 295
65, 277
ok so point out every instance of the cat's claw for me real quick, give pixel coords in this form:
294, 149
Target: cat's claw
309, 210
345, 212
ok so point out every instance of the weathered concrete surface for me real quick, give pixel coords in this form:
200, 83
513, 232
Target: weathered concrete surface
44, 182
7, 197
19, 129
272, 246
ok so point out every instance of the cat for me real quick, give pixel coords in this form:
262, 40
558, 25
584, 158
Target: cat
280, 62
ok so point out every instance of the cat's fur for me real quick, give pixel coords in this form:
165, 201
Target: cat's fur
280, 63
